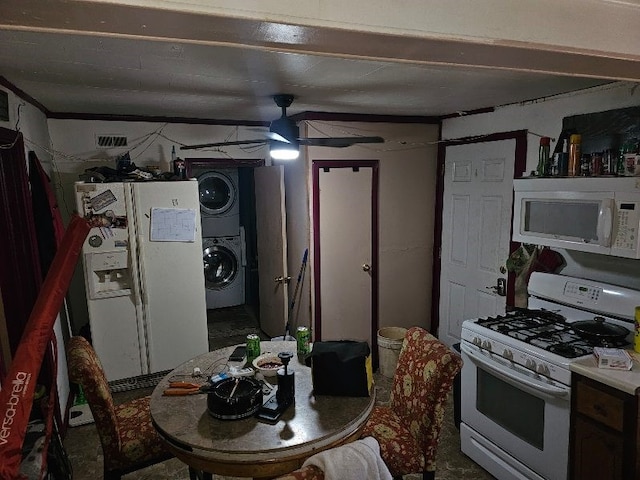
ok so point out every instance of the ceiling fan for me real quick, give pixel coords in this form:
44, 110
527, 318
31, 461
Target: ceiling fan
284, 136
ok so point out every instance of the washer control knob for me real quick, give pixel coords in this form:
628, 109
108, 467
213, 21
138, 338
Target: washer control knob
508, 354
530, 364
543, 370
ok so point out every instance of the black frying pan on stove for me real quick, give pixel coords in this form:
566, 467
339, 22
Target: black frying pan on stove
600, 330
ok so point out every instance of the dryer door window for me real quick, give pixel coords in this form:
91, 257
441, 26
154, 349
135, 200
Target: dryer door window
217, 193
220, 267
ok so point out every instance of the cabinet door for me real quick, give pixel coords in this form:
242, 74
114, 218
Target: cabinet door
602, 407
597, 453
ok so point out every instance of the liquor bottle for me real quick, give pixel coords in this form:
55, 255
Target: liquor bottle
179, 169
543, 157
575, 155
563, 159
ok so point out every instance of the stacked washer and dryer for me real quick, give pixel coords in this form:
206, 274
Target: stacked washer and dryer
223, 241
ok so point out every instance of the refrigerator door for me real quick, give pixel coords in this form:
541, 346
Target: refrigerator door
109, 274
166, 218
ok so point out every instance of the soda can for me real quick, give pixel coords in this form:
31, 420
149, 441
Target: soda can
253, 346
303, 338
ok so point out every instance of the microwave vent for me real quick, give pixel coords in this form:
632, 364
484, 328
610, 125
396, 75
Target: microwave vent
111, 141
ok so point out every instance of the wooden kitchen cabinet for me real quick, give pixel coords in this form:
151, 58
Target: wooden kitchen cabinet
604, 432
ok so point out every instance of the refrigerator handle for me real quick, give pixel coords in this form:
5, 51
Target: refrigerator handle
135, 282
141, 270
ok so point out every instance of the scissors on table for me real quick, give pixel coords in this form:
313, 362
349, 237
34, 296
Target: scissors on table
186, 388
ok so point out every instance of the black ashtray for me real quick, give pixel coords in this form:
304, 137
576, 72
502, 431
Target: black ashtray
234, 398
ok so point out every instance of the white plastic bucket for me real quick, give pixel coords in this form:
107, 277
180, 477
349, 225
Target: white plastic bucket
389, 345
288, 338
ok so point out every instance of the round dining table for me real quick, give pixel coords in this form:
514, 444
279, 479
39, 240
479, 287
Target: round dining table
250, 447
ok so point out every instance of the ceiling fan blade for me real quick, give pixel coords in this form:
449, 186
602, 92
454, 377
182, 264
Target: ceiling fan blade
222, 144
339, 142
276, 136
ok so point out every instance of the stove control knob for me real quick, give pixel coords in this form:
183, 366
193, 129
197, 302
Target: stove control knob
476, 341
508, 354
530, 364
486, 344
543, 370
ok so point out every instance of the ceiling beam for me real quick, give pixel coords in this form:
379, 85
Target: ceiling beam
131, 21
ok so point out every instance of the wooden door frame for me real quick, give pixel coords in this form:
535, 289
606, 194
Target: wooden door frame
520, 136
317, 165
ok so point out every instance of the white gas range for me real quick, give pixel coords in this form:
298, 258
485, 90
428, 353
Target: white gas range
516, 382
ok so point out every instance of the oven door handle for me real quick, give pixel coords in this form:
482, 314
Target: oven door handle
514, 378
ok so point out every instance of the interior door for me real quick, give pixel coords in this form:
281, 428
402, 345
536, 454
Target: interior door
476, 231
272, 249
345, 250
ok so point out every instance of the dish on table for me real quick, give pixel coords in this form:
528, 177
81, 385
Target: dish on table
267, 364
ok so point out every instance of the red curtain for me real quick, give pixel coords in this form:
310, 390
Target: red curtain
20, 275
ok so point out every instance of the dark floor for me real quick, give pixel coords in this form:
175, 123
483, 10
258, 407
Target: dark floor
230, 326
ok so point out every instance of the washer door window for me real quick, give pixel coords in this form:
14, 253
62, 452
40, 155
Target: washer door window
220, 267
217, 193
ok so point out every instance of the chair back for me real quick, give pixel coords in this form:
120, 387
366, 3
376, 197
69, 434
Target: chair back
86, 370
422, 381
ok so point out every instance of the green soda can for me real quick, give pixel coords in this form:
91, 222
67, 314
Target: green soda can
253, 346
303, 338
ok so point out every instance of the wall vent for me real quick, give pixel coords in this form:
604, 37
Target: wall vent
111, 141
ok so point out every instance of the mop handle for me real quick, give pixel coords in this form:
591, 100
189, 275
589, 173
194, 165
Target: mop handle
295, 291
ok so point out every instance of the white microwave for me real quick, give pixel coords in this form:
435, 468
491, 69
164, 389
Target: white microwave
589, 214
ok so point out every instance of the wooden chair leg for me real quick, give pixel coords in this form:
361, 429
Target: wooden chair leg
111, 476
199, 475
429, 475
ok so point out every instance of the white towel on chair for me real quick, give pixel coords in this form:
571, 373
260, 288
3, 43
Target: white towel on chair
359, 460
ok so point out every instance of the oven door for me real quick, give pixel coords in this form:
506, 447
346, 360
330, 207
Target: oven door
520, 420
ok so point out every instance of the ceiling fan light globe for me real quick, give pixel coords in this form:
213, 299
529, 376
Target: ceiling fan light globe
283, 151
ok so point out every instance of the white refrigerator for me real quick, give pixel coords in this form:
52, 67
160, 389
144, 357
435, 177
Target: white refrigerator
144, 275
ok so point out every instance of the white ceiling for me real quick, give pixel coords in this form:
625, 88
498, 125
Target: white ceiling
83, 74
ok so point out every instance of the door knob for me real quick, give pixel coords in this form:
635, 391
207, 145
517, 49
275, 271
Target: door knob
366, 267
282, 279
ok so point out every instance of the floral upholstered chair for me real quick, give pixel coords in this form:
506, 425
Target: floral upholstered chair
409, 427
129, 440
308, 472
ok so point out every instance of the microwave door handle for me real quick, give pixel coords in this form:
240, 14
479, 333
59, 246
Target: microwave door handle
605, 222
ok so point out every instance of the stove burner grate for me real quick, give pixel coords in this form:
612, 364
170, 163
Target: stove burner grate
568, 350
546, 330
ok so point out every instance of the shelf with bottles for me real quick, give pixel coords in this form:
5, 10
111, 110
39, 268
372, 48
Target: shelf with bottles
619, 158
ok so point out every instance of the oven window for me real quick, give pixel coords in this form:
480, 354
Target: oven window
519, 412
